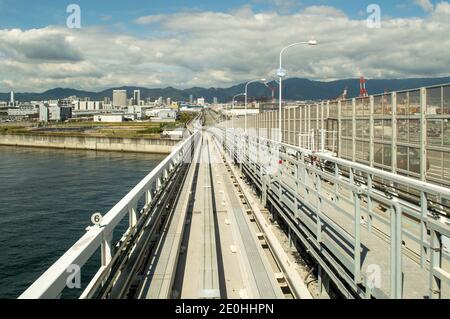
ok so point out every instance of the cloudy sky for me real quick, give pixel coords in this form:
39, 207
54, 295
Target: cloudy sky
159, 43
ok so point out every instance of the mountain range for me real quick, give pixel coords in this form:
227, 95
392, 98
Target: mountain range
293, 89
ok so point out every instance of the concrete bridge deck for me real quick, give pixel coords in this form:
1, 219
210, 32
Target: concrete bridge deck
210, 249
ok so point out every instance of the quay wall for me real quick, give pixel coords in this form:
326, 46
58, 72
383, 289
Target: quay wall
138, 145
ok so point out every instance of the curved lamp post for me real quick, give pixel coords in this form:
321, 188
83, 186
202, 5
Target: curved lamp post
281, 74
246, 96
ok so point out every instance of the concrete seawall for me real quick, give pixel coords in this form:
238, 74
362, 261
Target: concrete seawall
139, 145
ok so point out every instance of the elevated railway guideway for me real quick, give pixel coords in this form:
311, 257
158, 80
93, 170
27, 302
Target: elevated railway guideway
208, 222
369, 242
190, 233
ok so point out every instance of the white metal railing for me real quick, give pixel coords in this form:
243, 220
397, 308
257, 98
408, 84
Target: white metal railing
313, 189
54, 280
319, 141
381, 130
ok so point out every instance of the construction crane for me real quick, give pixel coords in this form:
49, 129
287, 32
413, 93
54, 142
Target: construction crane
362, 87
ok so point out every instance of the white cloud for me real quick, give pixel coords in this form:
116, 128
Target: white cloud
221, 49
426, 5
148, 19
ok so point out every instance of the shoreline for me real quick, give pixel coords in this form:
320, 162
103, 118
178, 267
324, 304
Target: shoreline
91, 143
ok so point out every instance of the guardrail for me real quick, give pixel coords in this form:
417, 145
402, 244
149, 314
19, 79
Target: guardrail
52, 283
370, 241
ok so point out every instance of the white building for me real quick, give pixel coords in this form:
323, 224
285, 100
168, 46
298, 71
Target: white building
107, 106
59, 113
52, 102
135, 109
88, 106
201, 101
70, 101
119, 98
25, 110
43, 113
12, 98
109, 118
164, 115
176, 134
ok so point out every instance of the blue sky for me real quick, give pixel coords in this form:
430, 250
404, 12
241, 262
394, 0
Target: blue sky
27, 14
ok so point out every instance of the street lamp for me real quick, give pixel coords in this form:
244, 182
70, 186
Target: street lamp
246, 96
281, 74
232, 104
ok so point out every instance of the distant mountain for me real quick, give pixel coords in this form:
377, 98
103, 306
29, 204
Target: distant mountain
294, 89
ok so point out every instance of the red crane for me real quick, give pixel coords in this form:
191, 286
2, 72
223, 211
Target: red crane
362, 87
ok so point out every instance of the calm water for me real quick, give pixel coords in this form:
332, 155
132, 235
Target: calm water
46, 200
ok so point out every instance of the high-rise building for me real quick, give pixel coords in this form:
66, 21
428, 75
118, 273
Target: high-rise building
168, 101
119, 98
136, 97
201, 101
12, 98
191, 99
215, 101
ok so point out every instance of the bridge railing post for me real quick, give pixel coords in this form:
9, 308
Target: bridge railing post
133, 216
106, 249
423, 228
357, 229
369, 202
317, 186
148, 197
436, 273
396, 250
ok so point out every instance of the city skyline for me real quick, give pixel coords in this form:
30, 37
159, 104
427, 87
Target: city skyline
216, 45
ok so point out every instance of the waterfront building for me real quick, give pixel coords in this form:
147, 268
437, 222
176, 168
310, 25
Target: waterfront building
43, 113
59, 113
109, 118
24, 110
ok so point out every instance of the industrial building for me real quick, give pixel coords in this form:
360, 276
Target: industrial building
109, 118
